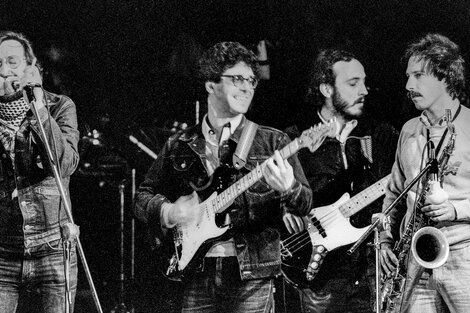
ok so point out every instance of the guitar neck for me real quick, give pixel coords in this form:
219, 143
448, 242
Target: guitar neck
226, 197
364, 198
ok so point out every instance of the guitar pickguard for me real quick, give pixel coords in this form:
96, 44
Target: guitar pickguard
328, 228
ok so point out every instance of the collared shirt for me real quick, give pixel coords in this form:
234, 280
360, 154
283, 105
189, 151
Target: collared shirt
213, 147
436, 130
212, 144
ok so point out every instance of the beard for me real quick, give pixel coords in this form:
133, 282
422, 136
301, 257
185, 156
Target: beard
342, 107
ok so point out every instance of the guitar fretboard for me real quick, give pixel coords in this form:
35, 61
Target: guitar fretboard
226, 197
364, 198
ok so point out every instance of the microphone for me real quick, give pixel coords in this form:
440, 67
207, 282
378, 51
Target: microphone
16, 85
28, 91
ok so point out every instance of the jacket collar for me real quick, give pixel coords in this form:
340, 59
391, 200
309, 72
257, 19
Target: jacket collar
195, 140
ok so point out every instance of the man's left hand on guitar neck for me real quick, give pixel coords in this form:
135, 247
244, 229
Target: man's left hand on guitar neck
279, 173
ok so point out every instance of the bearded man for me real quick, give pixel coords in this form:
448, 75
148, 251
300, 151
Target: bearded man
359, 155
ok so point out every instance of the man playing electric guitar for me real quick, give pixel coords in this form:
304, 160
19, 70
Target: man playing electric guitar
359, 155
234, 271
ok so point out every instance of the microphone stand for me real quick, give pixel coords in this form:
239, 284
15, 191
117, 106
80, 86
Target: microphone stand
143, 147
376, 244
133, 191
121, 306
431, 164
71, 230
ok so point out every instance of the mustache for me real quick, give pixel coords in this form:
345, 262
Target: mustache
413, 94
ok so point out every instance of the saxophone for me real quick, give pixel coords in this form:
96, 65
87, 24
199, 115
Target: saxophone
428, 244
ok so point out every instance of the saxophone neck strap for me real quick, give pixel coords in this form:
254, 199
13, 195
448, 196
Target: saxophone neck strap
439, 146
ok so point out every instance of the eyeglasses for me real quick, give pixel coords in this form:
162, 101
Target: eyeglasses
12, 61
238, 80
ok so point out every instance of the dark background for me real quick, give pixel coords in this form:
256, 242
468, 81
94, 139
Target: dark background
129, 67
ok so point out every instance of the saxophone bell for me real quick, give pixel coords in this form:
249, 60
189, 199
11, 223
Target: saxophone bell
430, 247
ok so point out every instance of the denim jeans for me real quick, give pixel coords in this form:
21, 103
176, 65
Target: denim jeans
218, 288
446, 288
339, 296
41, 271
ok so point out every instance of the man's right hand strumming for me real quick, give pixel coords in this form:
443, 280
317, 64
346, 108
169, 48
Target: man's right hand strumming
183, 211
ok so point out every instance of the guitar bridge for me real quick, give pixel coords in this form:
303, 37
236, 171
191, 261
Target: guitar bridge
285, 253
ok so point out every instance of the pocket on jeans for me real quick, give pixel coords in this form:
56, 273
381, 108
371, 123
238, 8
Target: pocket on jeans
51, 246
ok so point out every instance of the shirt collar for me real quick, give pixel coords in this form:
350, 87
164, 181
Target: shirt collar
210, 135
341, 134
425, 120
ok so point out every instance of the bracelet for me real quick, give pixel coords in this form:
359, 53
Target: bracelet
263, 62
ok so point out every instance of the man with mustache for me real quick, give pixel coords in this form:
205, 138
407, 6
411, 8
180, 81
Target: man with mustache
360, 154
436, 83
32, 211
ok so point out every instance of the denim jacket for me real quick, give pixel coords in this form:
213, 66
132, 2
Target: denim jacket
255, 214
31, 209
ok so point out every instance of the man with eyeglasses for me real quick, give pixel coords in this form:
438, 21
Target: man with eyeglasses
31, 208
359, 155
236, 272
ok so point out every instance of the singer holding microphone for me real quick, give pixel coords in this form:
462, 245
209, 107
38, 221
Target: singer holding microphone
442, 132
32, 211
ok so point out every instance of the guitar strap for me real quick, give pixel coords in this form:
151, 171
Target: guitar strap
244, 144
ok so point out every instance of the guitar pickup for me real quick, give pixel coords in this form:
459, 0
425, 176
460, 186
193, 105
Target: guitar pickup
317, 224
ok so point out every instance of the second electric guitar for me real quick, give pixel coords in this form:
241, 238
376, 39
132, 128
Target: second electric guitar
328, 228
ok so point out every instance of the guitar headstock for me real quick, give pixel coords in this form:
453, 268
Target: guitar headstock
313, 137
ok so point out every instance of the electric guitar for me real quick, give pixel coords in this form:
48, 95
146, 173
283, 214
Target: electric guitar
187, 245
328, 228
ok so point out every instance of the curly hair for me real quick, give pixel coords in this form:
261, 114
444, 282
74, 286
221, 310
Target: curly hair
28, 47
322, 71
442, 59
222, 56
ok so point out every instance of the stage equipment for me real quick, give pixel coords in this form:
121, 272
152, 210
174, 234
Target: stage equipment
143, 147
121, 307
99, 160
384, 224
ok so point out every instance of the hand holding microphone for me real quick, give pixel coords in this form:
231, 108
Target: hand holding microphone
8, 85
31, 84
